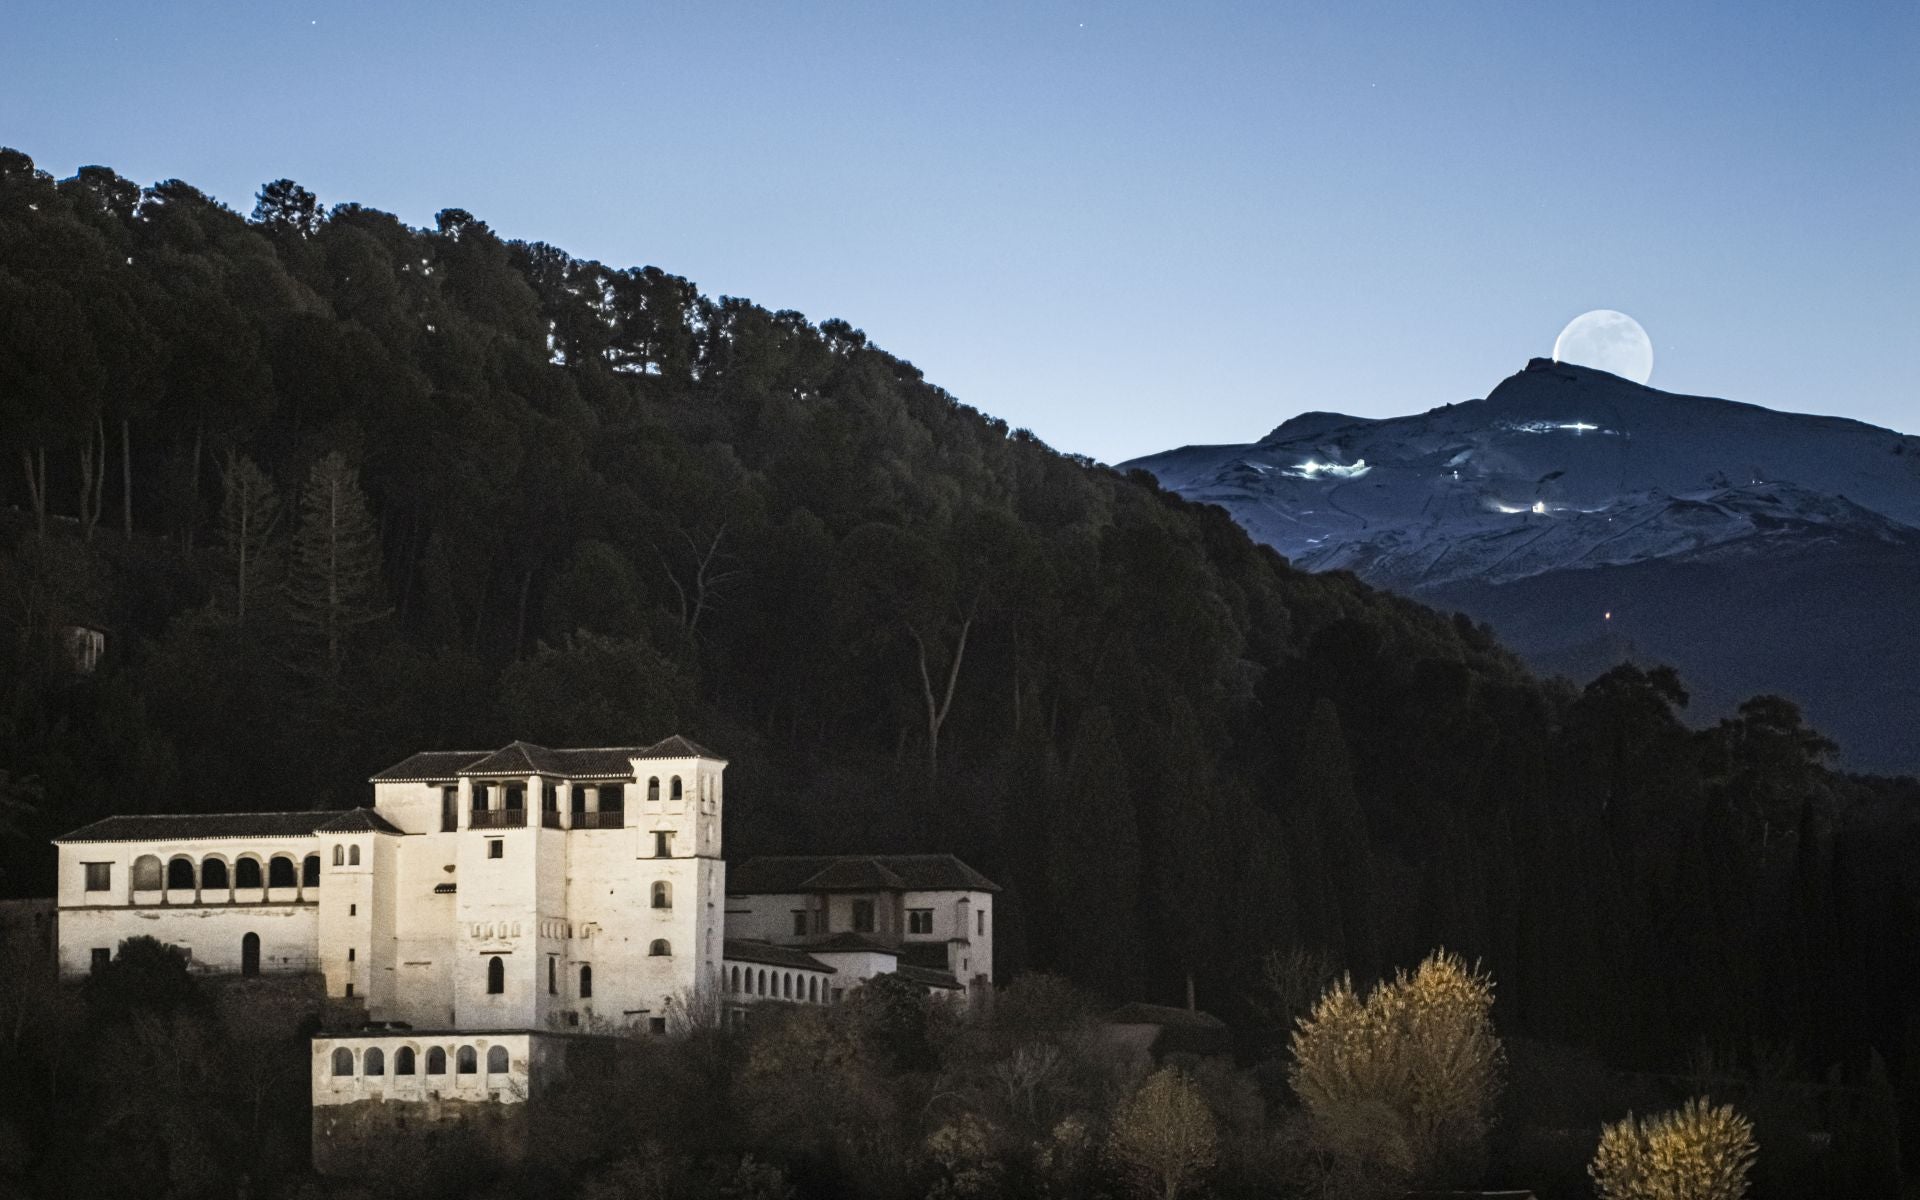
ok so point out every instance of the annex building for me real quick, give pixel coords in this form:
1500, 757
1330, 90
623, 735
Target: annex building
493, 910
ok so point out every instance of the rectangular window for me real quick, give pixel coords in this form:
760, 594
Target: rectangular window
516, 797
353, 910
553, 976
863, 916
980, 922
799, 922
349, 991
919, 920
613, 797
662, 844
350, 953
101, 957
449, 809
99, 877
480, 796
496, 848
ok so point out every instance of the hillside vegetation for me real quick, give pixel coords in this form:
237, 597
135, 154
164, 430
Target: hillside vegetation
341, 489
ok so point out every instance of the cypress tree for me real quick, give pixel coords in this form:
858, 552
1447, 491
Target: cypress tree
1093, 860
333, 581
249, 511
1326, 790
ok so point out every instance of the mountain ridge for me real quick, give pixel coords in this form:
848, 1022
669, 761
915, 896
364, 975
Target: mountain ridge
1564, 469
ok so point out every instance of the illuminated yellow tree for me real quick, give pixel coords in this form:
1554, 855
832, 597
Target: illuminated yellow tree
1696, 1152
1164, 1136
1399, 1086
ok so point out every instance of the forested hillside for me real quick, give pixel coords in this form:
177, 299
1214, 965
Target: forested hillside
340, 490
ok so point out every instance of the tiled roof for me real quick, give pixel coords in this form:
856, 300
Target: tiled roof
781, 874
195, 826
525, 758
928, 978
1161, 1014
768, 954
429, 765
676, 747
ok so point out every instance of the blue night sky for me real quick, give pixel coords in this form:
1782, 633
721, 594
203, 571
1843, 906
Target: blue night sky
1124, 227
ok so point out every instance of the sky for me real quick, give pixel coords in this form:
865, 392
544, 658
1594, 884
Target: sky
1125, 227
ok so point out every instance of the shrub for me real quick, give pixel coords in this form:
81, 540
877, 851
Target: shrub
1404, 1080
1696, 1152
1164, 1137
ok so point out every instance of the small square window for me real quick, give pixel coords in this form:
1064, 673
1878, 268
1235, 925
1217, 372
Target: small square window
99, 877
919, 920
101, 957
496, 848
656, 1025
349, 991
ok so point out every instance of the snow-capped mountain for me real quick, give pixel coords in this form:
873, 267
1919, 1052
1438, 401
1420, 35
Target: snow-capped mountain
1590, 518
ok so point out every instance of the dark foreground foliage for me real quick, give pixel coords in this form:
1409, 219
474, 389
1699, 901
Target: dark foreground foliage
339, 489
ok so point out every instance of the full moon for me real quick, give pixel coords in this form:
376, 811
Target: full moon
1607, 341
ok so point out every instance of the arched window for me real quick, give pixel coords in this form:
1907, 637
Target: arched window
343, 1061
465, 1061
373, 1062
146, 873
653, 790
497, 1060
436, 1060
660, 949
763, 981
180, 874
676, 792
246, 873
250, 954
496, 975
586, 981
813, 989
786, 986
663, 895
734, 986
403, 1061
339, 855
213, 874
280, 873
310, 871
353, 856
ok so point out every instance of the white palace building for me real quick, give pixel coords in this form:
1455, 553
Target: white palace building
494, 906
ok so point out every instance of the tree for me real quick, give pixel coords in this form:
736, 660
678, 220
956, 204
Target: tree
249, 511
1695, 1152
1093, 862
1163, 1137
285, 205
333, 581
1405, 1079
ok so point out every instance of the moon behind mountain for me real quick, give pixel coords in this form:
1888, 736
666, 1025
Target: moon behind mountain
1608, 341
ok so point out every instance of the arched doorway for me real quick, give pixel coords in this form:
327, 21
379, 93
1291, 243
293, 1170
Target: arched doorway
250, 954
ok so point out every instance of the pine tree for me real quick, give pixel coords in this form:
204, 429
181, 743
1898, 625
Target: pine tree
333, 581
248, 514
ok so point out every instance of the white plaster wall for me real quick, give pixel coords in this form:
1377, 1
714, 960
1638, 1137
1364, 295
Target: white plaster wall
209, 922
976, 956
212, 933
512, 1087
763, 918
412, 807
496, 914
346, 896
610, 902
420, 956
851, 968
